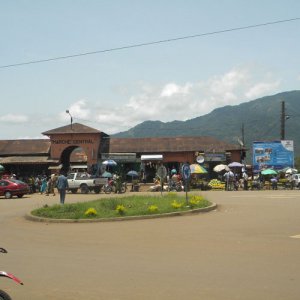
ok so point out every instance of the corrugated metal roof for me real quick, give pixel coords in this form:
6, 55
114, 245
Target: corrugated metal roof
40, 147
169, 144
26, 160
25, 147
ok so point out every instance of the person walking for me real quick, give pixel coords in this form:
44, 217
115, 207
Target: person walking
44, 184
51, 185
62, 186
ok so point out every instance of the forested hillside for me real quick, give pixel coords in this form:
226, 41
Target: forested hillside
261, 119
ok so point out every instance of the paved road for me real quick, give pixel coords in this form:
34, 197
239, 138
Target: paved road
243, 250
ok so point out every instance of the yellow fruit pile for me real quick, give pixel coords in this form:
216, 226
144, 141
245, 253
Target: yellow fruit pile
216, 184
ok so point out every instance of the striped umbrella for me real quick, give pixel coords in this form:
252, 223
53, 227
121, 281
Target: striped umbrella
197, 169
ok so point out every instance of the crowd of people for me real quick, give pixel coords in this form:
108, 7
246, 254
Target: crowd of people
42, 184
173, 182
236, 181
45, 185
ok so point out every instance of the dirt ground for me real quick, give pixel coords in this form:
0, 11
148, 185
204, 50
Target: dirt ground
246, 249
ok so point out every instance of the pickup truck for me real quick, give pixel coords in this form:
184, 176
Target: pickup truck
85, 183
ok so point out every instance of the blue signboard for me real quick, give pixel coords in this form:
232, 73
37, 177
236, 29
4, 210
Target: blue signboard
276, 155
186, 171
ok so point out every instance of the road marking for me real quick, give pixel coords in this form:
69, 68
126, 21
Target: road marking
295, 236
280, 196
265, 196
244, 196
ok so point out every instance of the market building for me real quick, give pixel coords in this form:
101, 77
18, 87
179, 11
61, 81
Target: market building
77, 144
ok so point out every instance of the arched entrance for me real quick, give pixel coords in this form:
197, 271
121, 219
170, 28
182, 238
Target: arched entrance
65, 157
65, 140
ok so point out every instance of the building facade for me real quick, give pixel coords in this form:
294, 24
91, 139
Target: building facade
32, 157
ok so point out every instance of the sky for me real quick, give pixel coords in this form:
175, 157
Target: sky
115, 90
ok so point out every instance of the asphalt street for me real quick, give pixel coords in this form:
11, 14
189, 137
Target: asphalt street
248, 248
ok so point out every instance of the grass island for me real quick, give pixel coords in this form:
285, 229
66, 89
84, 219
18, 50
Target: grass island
122, 207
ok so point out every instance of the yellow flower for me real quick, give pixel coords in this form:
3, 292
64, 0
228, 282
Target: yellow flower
91, 212
197, 199
176, 204
153, 208
120, 209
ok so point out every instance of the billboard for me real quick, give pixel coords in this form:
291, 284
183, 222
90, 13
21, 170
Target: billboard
277, 155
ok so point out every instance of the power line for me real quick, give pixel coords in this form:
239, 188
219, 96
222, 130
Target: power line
149, 43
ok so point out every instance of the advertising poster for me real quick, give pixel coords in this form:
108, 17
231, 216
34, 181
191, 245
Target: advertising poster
276, 155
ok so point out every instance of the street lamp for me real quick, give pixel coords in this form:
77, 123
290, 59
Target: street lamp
68, 112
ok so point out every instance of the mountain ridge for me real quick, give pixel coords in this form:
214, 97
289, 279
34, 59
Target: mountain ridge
260, 118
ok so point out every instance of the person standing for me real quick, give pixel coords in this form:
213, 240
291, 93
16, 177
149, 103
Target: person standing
62, 186
226, 178
245, 178
51, 185
274, 182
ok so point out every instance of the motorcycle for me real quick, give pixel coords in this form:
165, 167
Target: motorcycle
111, 186
175, 186
4, 295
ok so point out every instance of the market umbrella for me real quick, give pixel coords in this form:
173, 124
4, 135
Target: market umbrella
235, 164
291, 171
107, 175
220, 168
283, 170
197, 169
268, 172
133, 173
109, 162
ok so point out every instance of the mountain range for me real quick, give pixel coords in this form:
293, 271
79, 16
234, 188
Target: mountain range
256, 120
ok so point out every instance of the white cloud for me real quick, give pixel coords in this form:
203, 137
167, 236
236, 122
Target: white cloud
261, 89
78, 110
166, 102
172, 89
174, 101
10, 118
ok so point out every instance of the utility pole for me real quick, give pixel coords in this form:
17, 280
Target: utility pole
284, 117
243, 134
282, 120
242, 145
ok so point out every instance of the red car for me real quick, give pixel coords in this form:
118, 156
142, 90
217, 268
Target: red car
13, 187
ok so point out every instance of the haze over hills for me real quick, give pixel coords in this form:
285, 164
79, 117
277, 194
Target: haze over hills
261, 119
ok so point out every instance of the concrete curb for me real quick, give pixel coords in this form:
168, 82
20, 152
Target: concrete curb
30, 217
